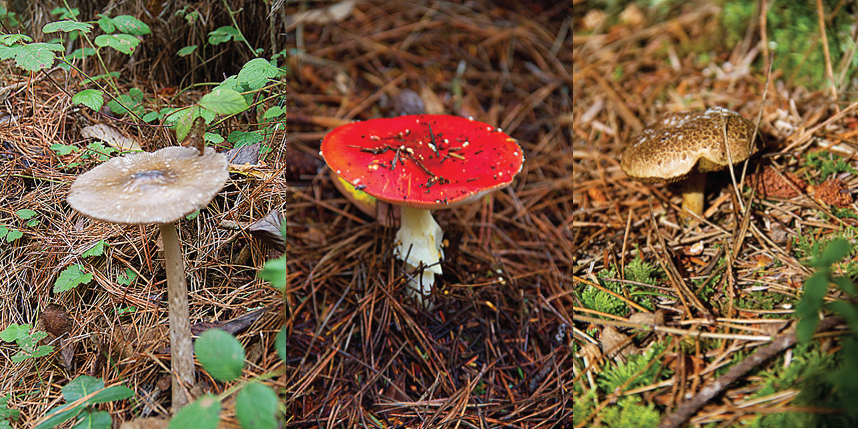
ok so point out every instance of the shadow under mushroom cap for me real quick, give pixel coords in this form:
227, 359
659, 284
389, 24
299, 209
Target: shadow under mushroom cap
678, 144
150, 187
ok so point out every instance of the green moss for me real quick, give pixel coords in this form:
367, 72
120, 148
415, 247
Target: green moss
629, 412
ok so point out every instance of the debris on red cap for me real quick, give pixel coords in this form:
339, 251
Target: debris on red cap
423, 161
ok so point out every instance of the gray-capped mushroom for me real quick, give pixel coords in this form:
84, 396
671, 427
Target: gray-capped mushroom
684, 146
158, 187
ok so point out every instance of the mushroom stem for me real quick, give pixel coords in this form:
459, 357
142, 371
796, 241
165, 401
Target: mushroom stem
692, 196
419, 241
181, 347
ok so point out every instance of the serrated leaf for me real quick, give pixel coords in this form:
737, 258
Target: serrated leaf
204, 413
14, 332
93, 419
131, 25
106, 24
96, 250
214, 138
187, 50
184, 120
91, 98
224, 102
71, 277
221, 354
275, 272
63, 149
256, 406
7, 52
224, 34
121, 42
26, 213
11, 39
37, 56
66, 26
256, 72
243, 138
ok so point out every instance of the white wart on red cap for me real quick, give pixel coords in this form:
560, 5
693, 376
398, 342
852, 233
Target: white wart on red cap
150, 187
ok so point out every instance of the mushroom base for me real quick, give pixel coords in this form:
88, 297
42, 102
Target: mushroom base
418, 241
692, 197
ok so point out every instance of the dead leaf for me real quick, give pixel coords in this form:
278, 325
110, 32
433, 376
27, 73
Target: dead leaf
333, 13
233, 326
248, 154
56, 319
268, 229
616, 344
111, 136
431, 102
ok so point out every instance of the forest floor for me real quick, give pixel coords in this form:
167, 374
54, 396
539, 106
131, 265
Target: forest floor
495, 350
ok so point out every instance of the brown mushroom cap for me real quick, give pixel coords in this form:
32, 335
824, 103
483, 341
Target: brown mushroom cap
150, 187
680, 143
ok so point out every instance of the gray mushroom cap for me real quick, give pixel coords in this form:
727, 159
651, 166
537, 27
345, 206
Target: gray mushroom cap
150, 187
680, 143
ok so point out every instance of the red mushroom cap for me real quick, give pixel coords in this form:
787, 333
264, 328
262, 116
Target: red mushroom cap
423, 161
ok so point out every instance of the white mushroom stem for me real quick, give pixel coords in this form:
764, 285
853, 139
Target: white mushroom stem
692, 196
181, 347
419, 241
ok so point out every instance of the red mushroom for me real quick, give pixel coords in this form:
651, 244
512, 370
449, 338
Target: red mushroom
422, 163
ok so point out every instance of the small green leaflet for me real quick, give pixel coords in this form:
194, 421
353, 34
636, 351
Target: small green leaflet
91, 98
131, 25
224, 34
221, 354
275, 272
26, 213
121, 42
243, 138
127, 278
96, 250
224, 102
187, 50
37, 56
11, 39
255, 406
70, 278
256, 72
14, 332
66, 26
274, 112
204, 413
63, 149
214, 138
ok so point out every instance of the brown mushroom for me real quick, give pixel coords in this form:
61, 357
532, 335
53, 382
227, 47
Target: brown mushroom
158, 187
684, 146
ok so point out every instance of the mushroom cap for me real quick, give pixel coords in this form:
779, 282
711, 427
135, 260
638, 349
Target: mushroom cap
423, 161
150, 187
680, 143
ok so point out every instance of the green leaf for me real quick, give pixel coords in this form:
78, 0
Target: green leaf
273, 112
81, 386
221, 354
127, 278
204, 413
183, 120
37, 56
13, 235
214, 138
224, 34
256, 72
65, 13
14, 332
60, 415
26, 213
91, 98
834, 252
187, 50
121, 42
63, 149
281, 344
11, 39
243, 138
815, 288
7, 52
846, 285
224, 102
94, 420
81, 53
121, 105
131, 25
151, 116
256, 406
110, 394
275, 272
106, 24
96, 250
66, 26
71, 277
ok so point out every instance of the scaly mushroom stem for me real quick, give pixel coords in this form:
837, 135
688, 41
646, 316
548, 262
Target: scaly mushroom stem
181, 347
419, 238
692, 197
